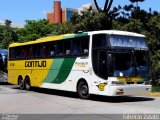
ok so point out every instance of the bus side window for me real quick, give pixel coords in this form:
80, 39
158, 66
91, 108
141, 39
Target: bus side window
18, 52
52, 49
12, 53
34, 48
60, 48
75, 47
99, 40
85, 51
40, 50
52, 53
46, 51
37, 50
30, 52
24, 52
68, 52
85, 45
67, 47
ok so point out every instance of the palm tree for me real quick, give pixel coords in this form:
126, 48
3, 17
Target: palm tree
133, 1
107, 6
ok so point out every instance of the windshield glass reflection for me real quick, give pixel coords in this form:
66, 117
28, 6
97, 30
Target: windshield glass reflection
130, 64
141, 63
123, 65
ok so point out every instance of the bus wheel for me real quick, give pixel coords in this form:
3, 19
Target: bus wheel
27, 83
83, 90
21, 83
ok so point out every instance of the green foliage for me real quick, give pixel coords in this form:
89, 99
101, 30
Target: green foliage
156, 89
34, 30
64, 28
1, 33
37, 29
90, 20
7, 35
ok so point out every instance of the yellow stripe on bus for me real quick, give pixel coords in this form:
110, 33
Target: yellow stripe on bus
129, 79
36, 71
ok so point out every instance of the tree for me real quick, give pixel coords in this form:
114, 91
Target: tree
8, 23
1, 33
133, 1
65, 28
90, 20
107, 6
8, 35
34, 30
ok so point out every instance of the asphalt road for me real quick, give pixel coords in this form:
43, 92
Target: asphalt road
45, 101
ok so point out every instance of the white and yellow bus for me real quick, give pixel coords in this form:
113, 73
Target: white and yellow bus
109, 62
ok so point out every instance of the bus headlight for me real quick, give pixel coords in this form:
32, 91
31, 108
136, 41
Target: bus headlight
118, 83
148, 89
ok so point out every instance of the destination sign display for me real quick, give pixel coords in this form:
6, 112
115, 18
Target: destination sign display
128, 41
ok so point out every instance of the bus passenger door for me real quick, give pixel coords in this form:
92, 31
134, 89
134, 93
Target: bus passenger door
102, 59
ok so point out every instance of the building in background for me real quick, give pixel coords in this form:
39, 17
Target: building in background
59, 15
87, 6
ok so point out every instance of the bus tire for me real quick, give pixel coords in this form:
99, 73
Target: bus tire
27, 83
83, 90
21, 83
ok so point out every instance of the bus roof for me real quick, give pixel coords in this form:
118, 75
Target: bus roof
48, 39
3, 52
116, 32
67, 36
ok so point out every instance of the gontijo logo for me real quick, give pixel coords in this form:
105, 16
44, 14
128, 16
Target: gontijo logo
35, 63
81, 64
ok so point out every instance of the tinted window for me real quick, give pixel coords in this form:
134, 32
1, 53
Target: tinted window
84, 45
76, 47
11, 53
59, 48
25, 52
46, 50
99, 40
67, 47
52, 50
18, 52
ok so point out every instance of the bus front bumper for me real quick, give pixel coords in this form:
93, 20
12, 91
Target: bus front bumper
127, 90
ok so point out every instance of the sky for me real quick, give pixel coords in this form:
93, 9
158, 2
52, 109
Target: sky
20, 10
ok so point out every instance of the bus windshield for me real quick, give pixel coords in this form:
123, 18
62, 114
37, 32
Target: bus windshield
130, 64
142, 63
123, 65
